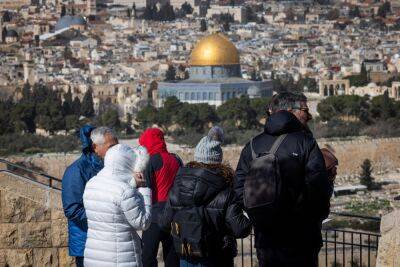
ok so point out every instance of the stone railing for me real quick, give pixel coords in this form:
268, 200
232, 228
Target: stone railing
383, 152
33, 229
389, 243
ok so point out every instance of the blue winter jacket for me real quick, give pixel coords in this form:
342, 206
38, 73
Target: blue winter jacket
73, 186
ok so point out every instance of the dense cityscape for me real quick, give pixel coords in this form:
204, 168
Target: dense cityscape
187, 65
124, 51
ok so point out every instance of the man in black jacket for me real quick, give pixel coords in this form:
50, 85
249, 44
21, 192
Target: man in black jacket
293, 236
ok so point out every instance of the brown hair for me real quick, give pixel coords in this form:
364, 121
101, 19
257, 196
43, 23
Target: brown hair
223, 170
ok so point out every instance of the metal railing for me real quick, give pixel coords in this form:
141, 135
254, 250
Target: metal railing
32, 175
349, 248
341, 247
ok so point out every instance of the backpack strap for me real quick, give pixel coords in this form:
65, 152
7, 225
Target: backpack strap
277, 143
253, 154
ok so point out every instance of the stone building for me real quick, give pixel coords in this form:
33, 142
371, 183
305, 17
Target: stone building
334, 87
395, 91
214, 76
11, 37
238, 12
124, 96
374, 65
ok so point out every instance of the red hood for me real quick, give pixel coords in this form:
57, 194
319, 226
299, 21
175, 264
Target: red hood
153, 140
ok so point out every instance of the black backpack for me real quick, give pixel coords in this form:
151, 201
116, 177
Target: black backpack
191, 232
263, 184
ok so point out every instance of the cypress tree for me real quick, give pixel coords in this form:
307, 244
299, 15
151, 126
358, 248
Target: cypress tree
365, 175
76, 106
170, 73
87, 108
67, 104
63, 11
203, 25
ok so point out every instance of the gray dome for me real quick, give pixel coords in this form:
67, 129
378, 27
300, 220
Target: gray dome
11, 33
253, 91
68, 21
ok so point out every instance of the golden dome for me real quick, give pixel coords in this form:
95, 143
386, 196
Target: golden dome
214, 50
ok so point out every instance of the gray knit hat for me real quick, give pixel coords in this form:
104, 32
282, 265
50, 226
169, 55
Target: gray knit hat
209, 150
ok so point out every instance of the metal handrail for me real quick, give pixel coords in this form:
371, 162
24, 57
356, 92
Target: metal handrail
45, 175
350, 215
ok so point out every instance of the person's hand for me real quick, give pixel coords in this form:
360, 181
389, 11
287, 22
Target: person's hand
139, 178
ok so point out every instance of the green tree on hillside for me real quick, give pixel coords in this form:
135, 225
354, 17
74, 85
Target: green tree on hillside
365, 175
336, 107
76, 106
382, 107
111, 118
203, 25
238, 113
187, 8
87, 108
147, 117
355, 12
333, 14
384, 9
170, 74
67, 104
6, 124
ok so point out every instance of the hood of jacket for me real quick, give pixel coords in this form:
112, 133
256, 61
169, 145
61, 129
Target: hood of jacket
87, 150
153, 140
282, 122
119, 163
84, 136
198, 186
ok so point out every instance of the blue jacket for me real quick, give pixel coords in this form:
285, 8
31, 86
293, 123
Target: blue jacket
73, 186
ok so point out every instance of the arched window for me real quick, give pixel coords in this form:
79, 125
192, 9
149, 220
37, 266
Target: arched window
330, 90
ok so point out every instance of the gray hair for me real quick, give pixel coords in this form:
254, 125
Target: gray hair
286, 100
98, 135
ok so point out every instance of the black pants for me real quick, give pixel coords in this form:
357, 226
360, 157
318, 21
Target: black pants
79, 261
151, 240
287, 257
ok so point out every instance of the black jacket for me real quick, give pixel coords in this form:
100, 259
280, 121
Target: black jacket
210, 188
304, 182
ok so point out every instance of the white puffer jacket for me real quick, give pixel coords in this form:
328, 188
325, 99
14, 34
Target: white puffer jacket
116, 210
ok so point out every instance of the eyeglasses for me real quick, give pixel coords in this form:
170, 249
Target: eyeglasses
305, 109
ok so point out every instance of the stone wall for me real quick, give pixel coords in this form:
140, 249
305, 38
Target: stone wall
33, 229
389, 243
384, 154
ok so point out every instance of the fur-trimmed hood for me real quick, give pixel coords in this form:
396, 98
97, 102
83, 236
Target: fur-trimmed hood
199, 183
223, 170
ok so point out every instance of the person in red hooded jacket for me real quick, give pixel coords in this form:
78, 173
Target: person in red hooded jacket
160, 175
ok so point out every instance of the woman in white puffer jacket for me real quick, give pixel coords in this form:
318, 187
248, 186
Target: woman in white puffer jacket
116, 207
